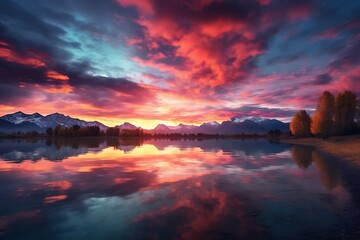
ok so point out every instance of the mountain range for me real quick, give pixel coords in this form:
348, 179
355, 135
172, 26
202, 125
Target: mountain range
23, 122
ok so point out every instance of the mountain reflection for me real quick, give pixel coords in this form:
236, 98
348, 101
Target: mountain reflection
158, 189
61, 148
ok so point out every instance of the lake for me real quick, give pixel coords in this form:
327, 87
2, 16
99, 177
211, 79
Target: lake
183, 189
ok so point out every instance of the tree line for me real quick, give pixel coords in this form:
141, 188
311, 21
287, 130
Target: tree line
92, 131
334, 115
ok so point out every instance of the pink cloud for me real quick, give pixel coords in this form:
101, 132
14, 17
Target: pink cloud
31, 58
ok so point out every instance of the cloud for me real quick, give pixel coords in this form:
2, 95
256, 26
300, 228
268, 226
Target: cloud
218, 42
185, 61
39, 57
56, 76
323, 79
265, 112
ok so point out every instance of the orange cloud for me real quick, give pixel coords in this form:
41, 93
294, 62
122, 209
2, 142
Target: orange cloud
211, 56
62, 88
52, 199
63, 185
56, 76
11, 56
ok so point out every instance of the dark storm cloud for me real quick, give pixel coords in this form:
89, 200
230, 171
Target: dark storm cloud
349, 57
219, 31
41, 26
323, 79
32, 36
255, 110
11, 94
100, 52
284, 58
14, 73
25, 30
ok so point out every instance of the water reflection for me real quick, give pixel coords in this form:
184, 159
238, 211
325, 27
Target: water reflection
159, 189
327, 166
62, 148
302, 156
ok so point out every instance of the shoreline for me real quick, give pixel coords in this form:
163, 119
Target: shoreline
170, 136
344, 147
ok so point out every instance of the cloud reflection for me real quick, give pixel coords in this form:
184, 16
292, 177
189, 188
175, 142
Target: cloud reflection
170, 189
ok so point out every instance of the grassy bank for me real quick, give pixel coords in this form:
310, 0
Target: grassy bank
346, 147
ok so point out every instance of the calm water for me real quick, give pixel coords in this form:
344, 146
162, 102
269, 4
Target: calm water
162, 189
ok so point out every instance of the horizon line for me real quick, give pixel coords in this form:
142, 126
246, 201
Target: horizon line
162, 122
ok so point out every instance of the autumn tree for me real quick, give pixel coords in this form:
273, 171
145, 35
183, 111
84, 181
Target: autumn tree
323, 119
301, 124
345, 111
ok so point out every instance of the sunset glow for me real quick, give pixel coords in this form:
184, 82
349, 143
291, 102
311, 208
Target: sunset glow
151, 61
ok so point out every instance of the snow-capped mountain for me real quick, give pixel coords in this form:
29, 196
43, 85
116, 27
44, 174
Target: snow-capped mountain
50, 120
253, 119
126, 125
9, 127
233, 126
181, 128
20, 117
54, 119
20, 121
212, 124
161, 128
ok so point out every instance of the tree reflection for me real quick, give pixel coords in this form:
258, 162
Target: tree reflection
76, 143
61, 148
326, 166
328, 170
302, 156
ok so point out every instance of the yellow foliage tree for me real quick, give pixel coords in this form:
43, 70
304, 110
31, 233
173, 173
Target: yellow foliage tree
322, 120
301, 124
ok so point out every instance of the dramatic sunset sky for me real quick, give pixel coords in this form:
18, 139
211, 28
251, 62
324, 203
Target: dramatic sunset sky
166, 61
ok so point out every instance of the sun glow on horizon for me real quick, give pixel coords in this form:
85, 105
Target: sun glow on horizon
181, 63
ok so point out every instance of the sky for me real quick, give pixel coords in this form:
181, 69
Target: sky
154, 61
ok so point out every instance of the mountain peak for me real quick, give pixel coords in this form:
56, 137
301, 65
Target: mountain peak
256, 119
212, 123
56, 114
235, 125
18, 112
37, 115
50, 120
19, 117
161, 127
126, 125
